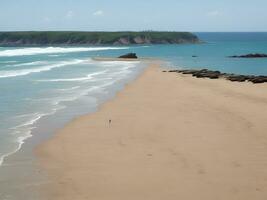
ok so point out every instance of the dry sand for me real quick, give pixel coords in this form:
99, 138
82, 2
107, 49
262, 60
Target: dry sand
171, 137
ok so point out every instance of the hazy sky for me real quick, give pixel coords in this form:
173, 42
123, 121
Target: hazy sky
112, 15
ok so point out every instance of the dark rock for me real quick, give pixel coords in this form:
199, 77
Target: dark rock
242, 78
187, 71
237, 78
214, 76
129, 55
259, 79
205, 73
255, 55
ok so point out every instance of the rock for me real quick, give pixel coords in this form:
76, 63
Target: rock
187, 71
129, 55
123, 41
255, 55
205, 73
237, 78
259, 79
194, 56
242, 78
214, 76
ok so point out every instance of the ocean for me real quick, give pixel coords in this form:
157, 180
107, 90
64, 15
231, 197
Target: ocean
57, 84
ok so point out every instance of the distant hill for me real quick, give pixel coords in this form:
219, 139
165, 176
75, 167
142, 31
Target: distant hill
94, 38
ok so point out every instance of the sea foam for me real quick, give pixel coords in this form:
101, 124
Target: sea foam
23, 72
84, 78
24, 131
52, 50
29, 64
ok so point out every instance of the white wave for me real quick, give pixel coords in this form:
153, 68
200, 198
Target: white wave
69, 89
118, 63
4, 156
82, 93
52, 50
75, 95
29, 64
20, 143
54, 55
25, 131
7, 62
24, 115
23, 72
121, 73
88, 77
30, 122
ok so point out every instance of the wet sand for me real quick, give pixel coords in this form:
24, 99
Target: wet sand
165, 136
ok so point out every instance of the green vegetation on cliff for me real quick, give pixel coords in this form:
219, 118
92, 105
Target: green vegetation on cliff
94, 38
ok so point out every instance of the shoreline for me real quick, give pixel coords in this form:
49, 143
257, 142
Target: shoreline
205, 73
20, 171
31, 133
131, 158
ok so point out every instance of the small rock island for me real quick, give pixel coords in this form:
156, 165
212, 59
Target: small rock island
129, 56
251, 55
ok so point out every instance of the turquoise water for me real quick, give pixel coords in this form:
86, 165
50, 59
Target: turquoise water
40, 82
214, 53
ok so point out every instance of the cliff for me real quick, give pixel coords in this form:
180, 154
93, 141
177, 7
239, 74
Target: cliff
94, 38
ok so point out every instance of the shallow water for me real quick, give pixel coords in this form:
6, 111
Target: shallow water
36, 82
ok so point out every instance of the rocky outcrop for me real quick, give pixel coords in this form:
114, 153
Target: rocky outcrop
129, 55
242, 78
252, 55
141, 40
237, 78
205, 73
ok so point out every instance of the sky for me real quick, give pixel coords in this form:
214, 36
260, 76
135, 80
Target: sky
134, 15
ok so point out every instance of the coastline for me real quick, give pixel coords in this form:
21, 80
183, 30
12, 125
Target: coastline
171, 136
20, 174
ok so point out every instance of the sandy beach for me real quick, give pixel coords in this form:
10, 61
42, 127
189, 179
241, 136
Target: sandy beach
165, 136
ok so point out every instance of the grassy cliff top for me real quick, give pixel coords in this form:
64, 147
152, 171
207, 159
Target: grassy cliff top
95, 38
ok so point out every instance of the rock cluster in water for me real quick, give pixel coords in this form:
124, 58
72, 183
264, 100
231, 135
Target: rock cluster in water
252, 55
205, 73
129, 55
